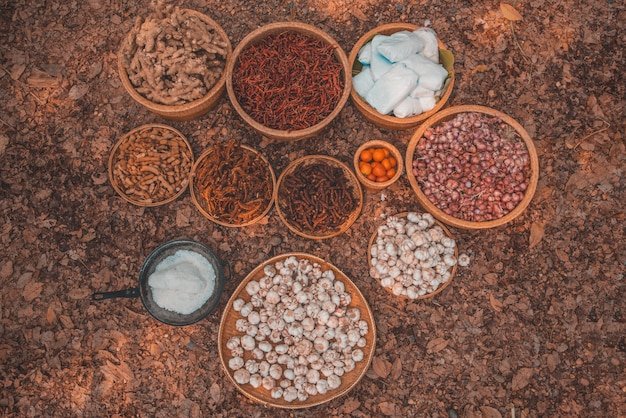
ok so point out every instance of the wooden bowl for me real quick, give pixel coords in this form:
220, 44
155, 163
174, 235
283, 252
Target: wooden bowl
423, 200
150, 165
452, 270
388, 121
349, 380
375, 185
201, 203
260, 34
283, 189
190, 110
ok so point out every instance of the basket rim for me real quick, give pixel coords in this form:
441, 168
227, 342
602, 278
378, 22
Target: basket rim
372, 185
388, 121
214, 92
315, 400
277, 27
461, 223
113, 153
452, 270
349, 174
212, 218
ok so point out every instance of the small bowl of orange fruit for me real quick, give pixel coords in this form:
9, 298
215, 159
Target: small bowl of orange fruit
377, 164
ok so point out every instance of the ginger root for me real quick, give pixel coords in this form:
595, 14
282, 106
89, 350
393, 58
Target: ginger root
173, 57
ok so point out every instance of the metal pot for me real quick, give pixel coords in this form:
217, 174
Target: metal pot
144, 291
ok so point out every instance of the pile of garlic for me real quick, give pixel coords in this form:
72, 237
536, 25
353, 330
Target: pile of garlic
413, 256
297, 335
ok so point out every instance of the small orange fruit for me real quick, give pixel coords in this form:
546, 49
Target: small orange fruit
393, 161
386, 163
382, 179
366, 156
386, 151
365, 168
371, 177
391, 172
379, 171
379, 154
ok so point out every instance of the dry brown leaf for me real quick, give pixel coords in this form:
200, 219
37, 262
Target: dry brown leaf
509, 12
350, 405
437, 344
32, 291
495, 303
491, 278
51, 316
359, 14
216, 392
387, 408
481, 68
489, 412
80, 293
521, 378
396, 369
537, 232
381, 366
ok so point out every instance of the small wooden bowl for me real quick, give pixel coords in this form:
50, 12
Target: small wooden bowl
374, 185
261, 395
281, 189
443, 286
387, 121
423, 200
271, 29
187, 111
201, 204
153, 169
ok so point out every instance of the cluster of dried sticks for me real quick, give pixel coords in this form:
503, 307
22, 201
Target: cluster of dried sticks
235, 183
174, 56
151, 165
317, 198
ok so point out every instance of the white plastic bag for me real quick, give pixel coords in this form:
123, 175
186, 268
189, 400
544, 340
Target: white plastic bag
400, 45
431, 46
365, 54
363, 81
431, 75
393, 87
407, 108
379, 65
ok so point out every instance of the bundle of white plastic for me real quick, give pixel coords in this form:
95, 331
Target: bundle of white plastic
401, 72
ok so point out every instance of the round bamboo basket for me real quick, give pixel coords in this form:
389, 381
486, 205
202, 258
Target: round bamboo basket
348, 381
187, 111
274, 28
450, 113
160, 171
452, 270
375, 185
389, 121
281, 189
201, 203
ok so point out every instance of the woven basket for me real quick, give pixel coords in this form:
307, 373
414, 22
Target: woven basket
388, 121
187, 111
156, 168
452, 270
275, 28
374, 185
202, 205
281, 189
450, 113
261, 395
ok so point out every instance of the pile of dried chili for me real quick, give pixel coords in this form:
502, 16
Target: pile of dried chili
235, 183
288, 81
317, 198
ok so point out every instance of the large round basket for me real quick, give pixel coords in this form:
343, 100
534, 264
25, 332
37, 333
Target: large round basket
259, 35
452, 269
348, 381
150, 165
423, 200
353, 188
202, 205
388, 121
186, 111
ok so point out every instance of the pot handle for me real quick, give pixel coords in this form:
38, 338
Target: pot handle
127, 293
226, 263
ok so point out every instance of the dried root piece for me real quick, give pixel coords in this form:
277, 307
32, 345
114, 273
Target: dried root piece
174, 56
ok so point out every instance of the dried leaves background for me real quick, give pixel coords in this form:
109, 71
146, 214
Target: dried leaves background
534, 327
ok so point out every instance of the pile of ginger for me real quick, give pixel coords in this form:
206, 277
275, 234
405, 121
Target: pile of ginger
174, 56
